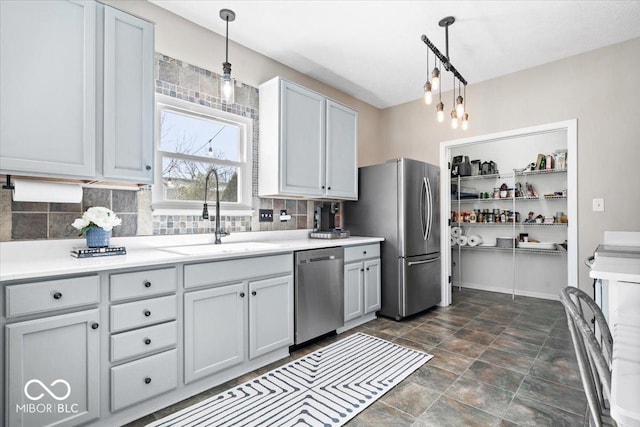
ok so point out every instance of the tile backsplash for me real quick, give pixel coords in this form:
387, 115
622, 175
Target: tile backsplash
175, 78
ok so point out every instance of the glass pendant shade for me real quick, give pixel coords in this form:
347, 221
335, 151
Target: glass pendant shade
440, 112
465, 121
428, 97
227, 89
435, 78
454, 120
459, 106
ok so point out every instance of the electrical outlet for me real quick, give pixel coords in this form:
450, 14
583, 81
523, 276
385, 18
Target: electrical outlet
284, 216
598, 205
265, 215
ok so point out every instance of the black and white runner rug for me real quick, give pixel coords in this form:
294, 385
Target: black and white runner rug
325, 388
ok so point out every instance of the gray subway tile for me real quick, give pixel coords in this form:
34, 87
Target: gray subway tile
124, 201
60, 226
29, 206
28, 226
92, 197
128, 227
65, 207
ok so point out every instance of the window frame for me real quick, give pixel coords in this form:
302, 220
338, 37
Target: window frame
243, 206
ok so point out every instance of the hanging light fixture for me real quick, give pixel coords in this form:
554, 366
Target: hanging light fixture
227, 84
458, 114
428, 97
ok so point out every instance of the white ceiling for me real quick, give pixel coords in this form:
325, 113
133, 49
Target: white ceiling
372, 49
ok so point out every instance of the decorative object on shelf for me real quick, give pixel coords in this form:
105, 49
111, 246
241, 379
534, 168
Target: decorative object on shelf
227, 84
459, 116
96, 223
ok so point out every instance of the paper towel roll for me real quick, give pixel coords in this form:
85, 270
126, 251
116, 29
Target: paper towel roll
462, 240
52, 192
474, 240
454, 241
456, 231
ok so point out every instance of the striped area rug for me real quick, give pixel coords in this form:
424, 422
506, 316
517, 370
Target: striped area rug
326, 388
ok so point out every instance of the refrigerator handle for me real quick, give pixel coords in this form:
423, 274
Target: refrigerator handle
426, 261
423, 207
429, 207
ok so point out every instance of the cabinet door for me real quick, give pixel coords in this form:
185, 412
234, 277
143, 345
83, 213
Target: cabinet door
371, 285
353, 291
270, 315
342, 152
214, 330
302, 147
48, 87
128, 97
53, 370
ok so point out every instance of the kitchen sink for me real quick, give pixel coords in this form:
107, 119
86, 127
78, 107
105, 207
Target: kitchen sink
212, 249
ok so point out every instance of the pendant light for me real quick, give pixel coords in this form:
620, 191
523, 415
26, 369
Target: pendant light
454, 114
440, 107
435, 77
459, 103
465, 116
428, 97
227, 84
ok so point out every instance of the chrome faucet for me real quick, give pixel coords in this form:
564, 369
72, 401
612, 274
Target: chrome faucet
205, 211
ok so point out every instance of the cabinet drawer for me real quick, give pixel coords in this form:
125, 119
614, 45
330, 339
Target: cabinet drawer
51, 295
139, 380
355, 253
142, 283
235, 270
142, 341
142, 313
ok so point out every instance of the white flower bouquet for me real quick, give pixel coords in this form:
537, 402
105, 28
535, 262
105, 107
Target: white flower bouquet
96, 217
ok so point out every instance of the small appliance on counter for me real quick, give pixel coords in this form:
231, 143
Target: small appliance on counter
326, 223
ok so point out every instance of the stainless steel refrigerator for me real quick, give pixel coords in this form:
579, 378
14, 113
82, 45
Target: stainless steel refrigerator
399, 200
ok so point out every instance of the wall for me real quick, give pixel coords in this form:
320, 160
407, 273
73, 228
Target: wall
600, 88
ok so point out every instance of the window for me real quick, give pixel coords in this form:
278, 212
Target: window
191, 140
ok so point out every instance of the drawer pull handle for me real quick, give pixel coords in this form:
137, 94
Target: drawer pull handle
147, 341
253, 293
148, 167
147, 284
95, 325
362, 269
241, 294
364, 252
147, 380
57, 295
147, 313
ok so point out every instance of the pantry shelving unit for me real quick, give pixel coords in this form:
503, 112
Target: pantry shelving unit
519, 271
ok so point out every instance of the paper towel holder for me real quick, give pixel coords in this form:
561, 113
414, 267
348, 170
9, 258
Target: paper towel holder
8, 185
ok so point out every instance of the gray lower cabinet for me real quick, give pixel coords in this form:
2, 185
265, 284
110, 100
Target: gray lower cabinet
53, 370
214, 327
353, 281
362, 279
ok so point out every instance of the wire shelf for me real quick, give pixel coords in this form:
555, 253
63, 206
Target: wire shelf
509, 224
510, 250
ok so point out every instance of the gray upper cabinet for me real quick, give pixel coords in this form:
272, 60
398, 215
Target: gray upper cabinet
128, 97
308, 144
54, 363
48, 88
76, 91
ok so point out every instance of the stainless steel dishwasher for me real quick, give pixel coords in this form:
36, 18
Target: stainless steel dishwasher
319, 292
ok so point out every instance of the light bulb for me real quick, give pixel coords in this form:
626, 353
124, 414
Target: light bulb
440, 112
227, 88
435, 80
428, 98
459, 106
454, 119
210, 152
465, 121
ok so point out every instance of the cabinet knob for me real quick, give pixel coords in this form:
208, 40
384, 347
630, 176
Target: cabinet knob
323, 187
147, 380
147, 313
147, 284
362, 269
57, 295
364, 252
95, 325
367, 268
328, 188
253, 293
148, 167
241, 294
147, 341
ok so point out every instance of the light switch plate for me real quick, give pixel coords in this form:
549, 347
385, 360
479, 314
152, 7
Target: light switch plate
598, 205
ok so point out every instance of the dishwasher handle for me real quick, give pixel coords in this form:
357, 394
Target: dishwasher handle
324, 258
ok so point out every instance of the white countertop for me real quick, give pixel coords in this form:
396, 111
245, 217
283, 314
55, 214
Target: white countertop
34, 259
616, 269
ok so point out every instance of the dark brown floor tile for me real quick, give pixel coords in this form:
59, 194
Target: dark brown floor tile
462, 313
526, 412
560, 371
497, 317
475, 336
410, 397
526, 335
436, 329
550, 354
496, 376
507, 360
513, 346
451, 327
463, 347
553, 394
559, 343
485, 326
414, 345
560, 331
448, 412
482, 396
527, 321
389, 327
381, 414
471, 307
505, 423
380, 334
446, 319
418, 335
448, 361
433, 378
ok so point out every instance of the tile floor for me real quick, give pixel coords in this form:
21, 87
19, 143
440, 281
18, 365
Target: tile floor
497, 362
